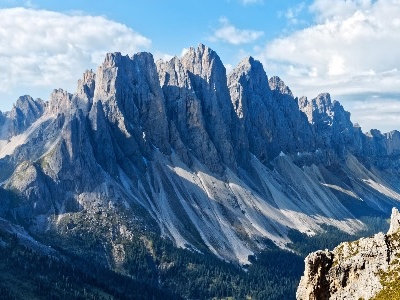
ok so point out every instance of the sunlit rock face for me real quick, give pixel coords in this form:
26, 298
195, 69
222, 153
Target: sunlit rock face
353, 270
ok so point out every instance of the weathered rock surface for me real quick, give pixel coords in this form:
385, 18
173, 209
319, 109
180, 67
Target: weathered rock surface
353, 270
23, 114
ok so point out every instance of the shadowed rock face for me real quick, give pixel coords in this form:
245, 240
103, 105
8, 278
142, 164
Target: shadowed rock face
354, 270
24, 113
269, 115
199, 117
216, 163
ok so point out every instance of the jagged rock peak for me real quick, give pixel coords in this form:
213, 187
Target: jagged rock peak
323, 102
317, 108
394, 221
86, 85
25, 111
374, 133
29, 107
277, 84
201, 50
112, 59
132, 99
89, 76
248, 84
22, 101
247, 61
204, 62
251, 68
60, 102
144, 56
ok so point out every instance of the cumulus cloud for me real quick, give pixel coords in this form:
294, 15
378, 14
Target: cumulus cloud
370, 110
163, 56
230, 34
48, 49
352, 48
340, 9
292, 13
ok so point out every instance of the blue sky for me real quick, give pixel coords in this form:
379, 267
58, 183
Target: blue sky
345, 47
175, 24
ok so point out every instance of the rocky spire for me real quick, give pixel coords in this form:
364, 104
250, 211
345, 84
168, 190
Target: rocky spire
276, 84
59, 103
267, 111
185, 112
251, 99
208, 76
132, 99
24, 112
394, 222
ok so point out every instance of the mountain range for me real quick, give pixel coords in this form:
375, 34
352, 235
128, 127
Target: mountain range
225, 165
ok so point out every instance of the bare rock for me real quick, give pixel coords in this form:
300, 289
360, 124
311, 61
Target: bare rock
353, 270
394, 222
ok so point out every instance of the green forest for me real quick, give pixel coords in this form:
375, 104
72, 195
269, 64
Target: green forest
168, 273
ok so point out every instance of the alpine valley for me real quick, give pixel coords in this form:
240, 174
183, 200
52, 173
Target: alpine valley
174, 180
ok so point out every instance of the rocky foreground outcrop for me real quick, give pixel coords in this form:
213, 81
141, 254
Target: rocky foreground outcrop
364, 269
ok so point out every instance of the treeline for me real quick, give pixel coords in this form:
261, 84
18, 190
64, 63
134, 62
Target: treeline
156, 269
272, 274
171, 274
26, 274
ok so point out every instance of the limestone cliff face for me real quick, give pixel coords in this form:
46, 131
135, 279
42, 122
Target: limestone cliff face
189, 109
331, 125
208, 77
353, 270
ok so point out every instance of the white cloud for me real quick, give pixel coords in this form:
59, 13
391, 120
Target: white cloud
371, 111
339, 9
163, 56
230, 34
293, 13
336, 65
184, 51
352, 49
45, 49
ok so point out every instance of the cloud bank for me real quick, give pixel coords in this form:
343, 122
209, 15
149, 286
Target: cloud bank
45, 49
